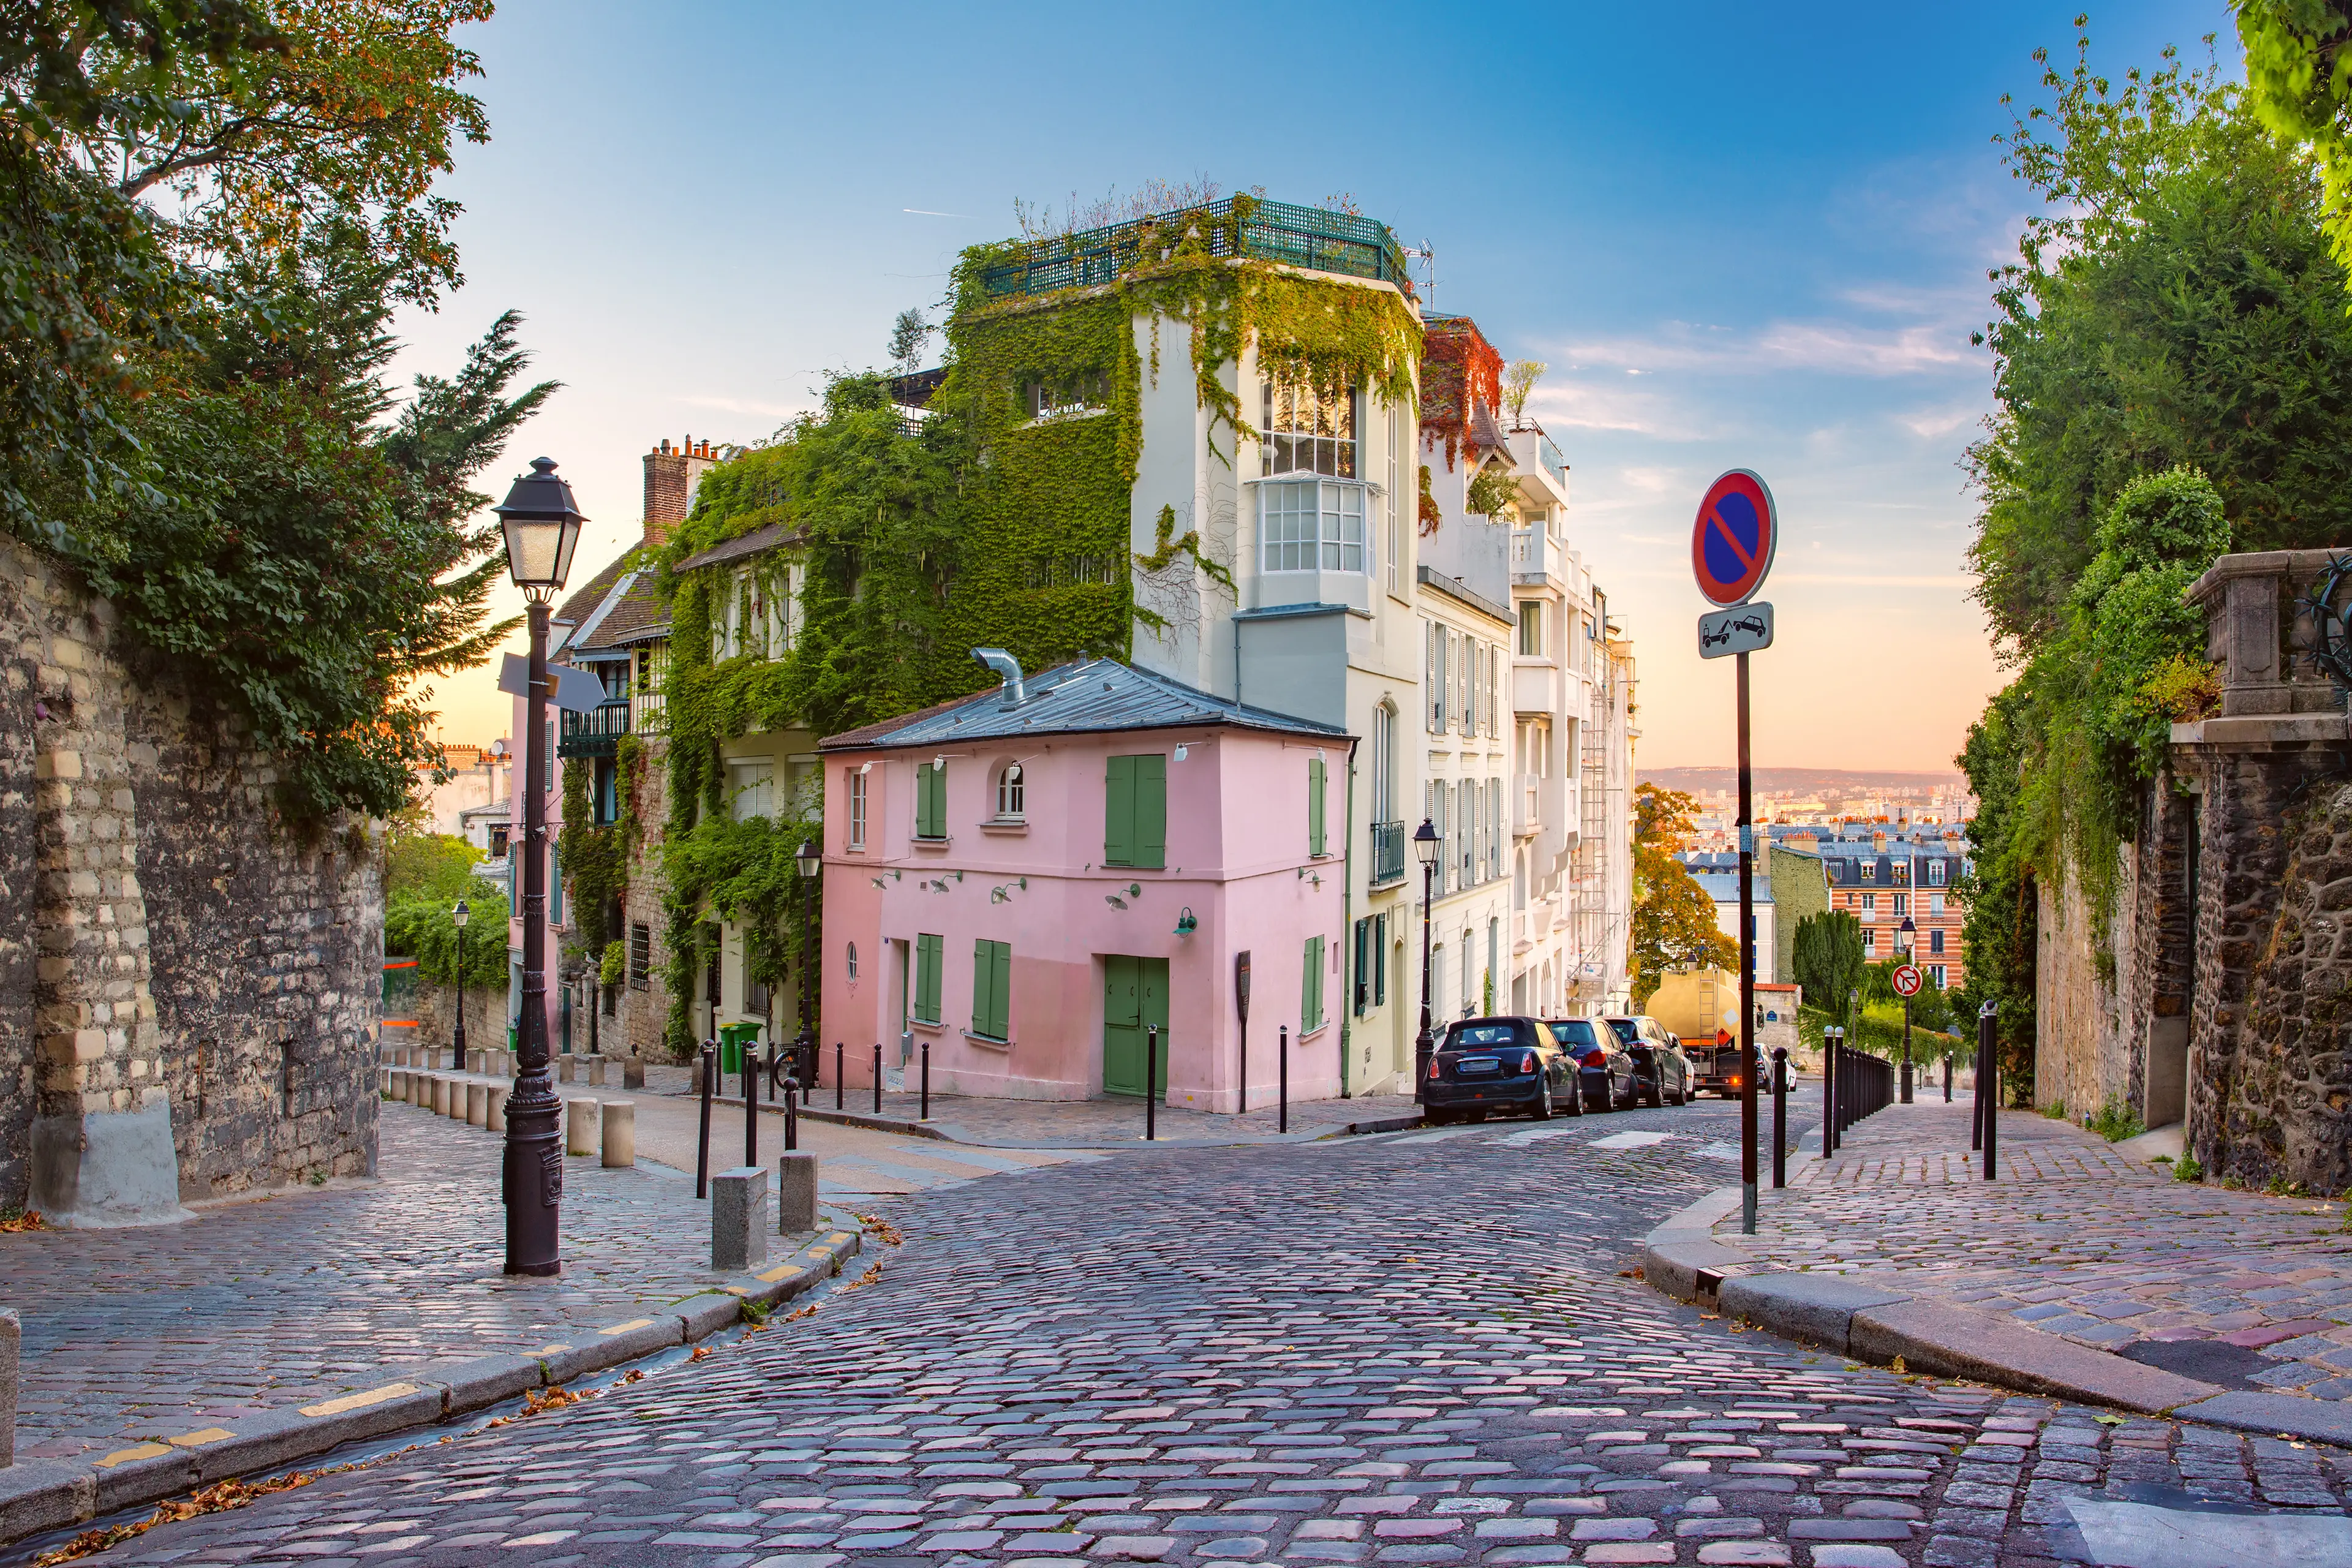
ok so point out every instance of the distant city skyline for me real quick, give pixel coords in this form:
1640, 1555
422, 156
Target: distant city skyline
1715, 276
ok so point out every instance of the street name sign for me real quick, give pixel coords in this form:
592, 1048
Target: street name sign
1907, 980
574, 691
1743, 628
1733, 541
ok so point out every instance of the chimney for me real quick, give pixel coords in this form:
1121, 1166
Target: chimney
671, 475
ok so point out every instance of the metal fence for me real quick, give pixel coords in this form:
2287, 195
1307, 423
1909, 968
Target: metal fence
1309, 238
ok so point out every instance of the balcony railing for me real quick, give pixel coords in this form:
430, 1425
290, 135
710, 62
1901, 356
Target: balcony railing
1309, 238
1387, 852
595, 733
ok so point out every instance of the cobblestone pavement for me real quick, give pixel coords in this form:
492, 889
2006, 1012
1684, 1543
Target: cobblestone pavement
1407, 1349
2240, 1288
298, 1297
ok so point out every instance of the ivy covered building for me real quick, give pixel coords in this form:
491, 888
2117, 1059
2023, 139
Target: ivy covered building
1208, 443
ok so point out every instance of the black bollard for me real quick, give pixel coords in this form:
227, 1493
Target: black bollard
703, 1147
1282, 1078
926, 1115
1828, 1090
1947, 1078
839, 1082
877, 1077
1780, 1116
751, 1107
1151, 1071
791, 1116
1989, 1076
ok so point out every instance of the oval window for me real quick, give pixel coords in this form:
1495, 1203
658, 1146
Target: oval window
853, 960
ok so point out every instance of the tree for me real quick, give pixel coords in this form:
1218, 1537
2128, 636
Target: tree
428, 868
1827, 958
1673, 919
2299, 81
1519, 381
908, 336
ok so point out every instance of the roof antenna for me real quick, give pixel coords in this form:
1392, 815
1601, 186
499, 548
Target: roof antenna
1005, 665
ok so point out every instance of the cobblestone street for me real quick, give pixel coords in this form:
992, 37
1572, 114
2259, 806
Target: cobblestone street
2240, 1288
1410, 1348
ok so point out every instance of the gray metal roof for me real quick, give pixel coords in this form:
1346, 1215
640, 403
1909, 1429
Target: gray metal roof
751, 543
1088, 696
1724, 889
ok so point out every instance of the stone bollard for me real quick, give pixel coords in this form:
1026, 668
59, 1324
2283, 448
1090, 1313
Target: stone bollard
440, 1094
563, 1068
395, 1084
796, 1194
502, 1064
620, 1118
497, 1107
405, 1089
478, 1104
632, 1072
579, 1127
595, 1072
739, 1219
477, 1059
457, 1097
11, 1334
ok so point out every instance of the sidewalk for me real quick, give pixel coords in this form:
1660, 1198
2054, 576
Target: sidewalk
2075, 1248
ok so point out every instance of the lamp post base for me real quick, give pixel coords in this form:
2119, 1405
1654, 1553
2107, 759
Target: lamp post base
534, 1174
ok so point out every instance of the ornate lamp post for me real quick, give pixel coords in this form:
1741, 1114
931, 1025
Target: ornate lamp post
542, 527
1425, 847
1904, 934
459, 917
810, 859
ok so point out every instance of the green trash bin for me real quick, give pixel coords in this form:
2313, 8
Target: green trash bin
732, 1038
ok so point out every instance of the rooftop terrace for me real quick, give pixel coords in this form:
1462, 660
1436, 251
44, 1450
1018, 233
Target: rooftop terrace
1310, 237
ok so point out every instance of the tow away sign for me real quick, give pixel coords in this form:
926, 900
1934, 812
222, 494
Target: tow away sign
1741, 629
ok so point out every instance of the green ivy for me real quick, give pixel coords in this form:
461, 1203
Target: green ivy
595, 858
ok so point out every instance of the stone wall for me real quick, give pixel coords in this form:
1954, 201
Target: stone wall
195, 1011
643, 1012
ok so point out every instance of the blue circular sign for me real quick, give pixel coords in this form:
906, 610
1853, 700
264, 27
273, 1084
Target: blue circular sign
1733, 541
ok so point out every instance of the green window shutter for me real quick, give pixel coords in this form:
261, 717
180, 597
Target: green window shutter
1118, 812
931, 800
1152, 810
1315, 777
983, 972
1310, 1011
928, 949
1000, 991
554, 885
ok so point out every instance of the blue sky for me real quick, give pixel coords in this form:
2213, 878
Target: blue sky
1740, 236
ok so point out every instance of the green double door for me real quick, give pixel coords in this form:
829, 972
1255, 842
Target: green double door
1135, 994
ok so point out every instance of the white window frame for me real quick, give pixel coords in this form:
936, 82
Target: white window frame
1335, 510
750, 788
1395, 505
1296, 423
1011, 794
856, 808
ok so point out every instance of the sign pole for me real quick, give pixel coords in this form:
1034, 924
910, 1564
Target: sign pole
1747, 971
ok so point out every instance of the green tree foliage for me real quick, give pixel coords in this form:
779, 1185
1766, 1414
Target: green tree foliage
208, 209
1673, 919
429, 867
1997, 891
2299, 81
1827, 958
422, 930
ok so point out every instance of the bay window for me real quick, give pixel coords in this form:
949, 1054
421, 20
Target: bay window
1308, 525
1304, 431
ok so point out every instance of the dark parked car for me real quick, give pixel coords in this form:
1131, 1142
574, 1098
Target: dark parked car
1604, 1071
1661, 1073
1498, 1064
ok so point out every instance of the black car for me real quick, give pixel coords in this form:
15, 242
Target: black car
1661, 1071
1604, 1071
1498, 1064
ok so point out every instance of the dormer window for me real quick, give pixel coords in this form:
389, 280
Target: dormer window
1306, 431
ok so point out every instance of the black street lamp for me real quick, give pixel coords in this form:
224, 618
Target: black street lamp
1904, 934
1425, 846
543, 527
457, 917
810, 859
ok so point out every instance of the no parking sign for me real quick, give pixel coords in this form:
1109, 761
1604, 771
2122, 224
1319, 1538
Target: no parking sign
1733, 541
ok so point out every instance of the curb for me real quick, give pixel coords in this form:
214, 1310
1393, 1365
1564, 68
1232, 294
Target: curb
1853, 1316
51, 1494
949, 1133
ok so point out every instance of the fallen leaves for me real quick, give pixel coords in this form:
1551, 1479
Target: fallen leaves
217, 1497
876, 1226
16, 1219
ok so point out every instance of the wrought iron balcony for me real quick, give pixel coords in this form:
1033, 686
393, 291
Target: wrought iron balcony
595, 733
1388, 853
1309, 238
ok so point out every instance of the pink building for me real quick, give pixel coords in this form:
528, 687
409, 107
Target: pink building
1028, 878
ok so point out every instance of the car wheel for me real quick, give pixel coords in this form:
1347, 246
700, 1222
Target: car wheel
1576, 1096
1473, 1116
1542, 1112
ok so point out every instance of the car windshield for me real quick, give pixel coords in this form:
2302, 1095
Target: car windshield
1574, 1033
1626, 1029
1482, 1036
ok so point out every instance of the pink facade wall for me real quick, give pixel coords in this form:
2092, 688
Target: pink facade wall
1237, 856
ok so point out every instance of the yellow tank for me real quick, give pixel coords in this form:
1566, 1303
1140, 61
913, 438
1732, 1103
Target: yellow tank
1694, 1006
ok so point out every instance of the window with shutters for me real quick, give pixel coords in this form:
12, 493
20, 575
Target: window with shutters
1310, 1012
1317, 777
1135, 811
991, 989
554, 886
856, 810
1936, 940
1434, 681
928, 952
931, 800
1466, 663
1380, 961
